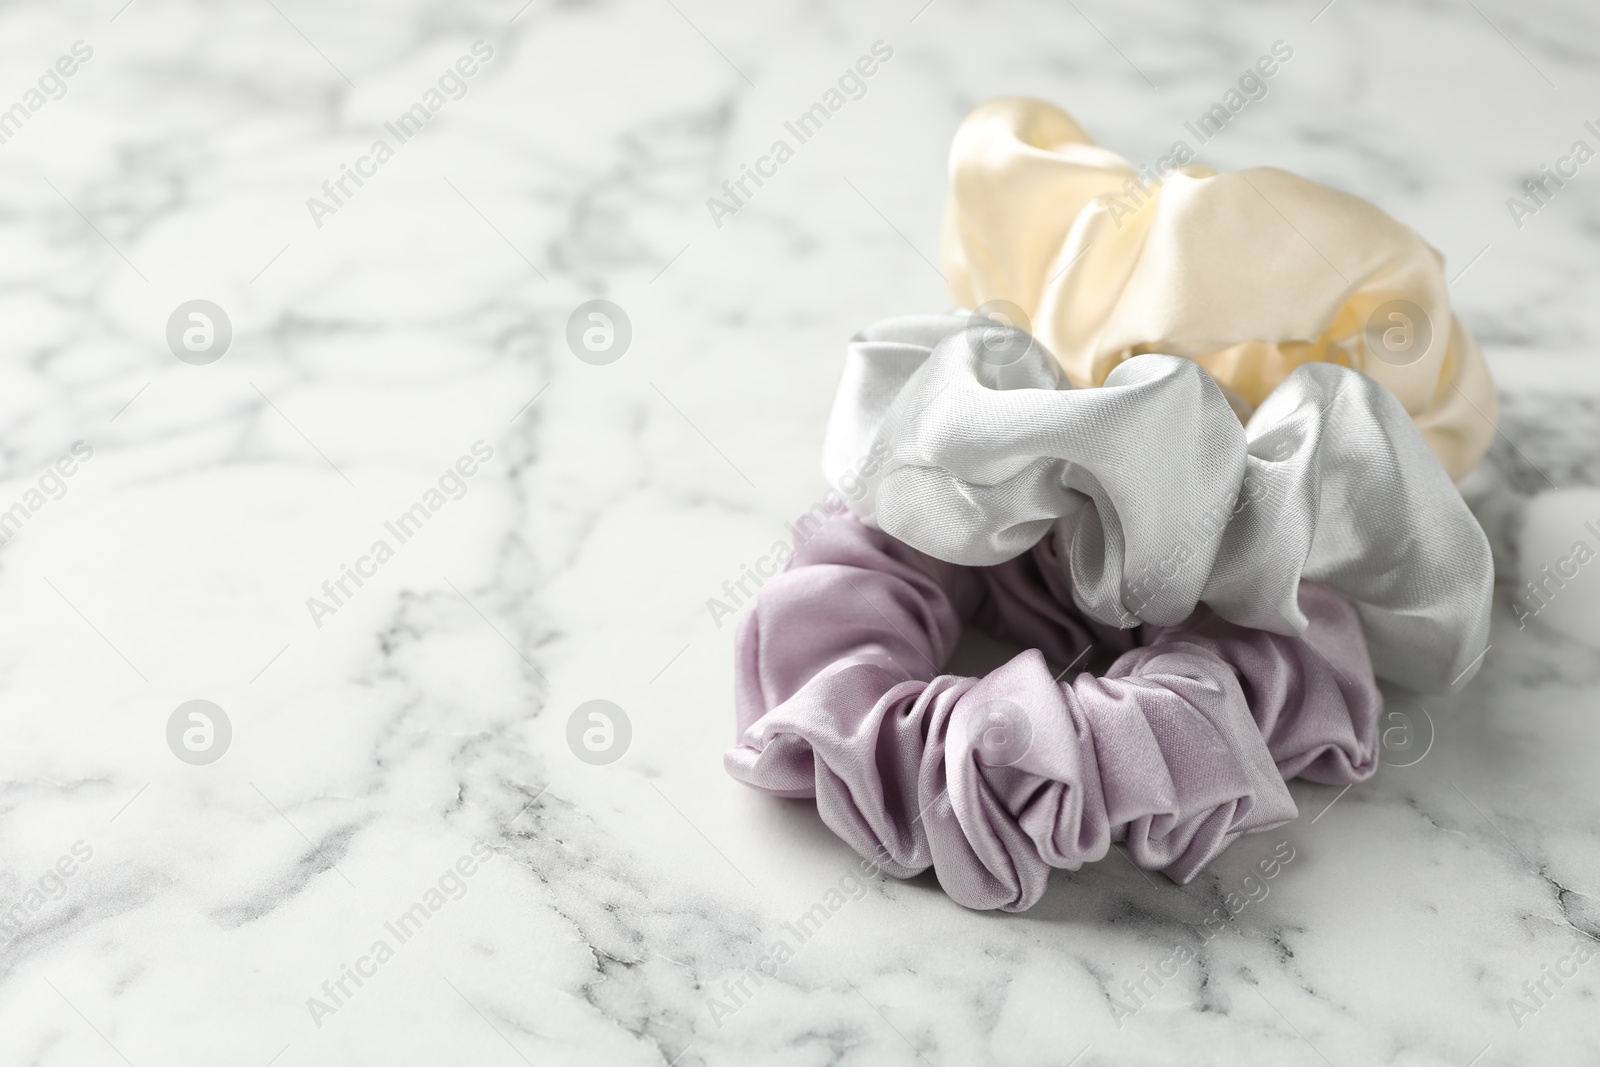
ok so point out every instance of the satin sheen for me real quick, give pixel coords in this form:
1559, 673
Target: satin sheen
1178, 748
1251, 273
1156, 499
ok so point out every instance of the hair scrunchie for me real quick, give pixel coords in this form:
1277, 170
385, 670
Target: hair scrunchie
1251, 273
1178, 748
1155, 497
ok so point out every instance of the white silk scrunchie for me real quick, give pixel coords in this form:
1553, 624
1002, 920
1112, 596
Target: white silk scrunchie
1250, 274
1157, 497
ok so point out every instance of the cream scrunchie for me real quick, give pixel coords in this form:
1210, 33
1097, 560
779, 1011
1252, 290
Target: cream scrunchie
1249, 274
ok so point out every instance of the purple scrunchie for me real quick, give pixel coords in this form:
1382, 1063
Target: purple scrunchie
1179, 747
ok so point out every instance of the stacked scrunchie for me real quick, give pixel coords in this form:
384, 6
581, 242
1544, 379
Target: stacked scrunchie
1176, 749
1156, 498
1251, 274
1191, 481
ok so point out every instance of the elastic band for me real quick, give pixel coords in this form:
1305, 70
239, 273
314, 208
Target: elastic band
1251, 273
961, 441
1175, 750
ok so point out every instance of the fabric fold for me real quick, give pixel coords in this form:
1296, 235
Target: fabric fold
1178, 748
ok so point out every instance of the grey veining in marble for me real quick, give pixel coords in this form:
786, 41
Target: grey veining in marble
319, 894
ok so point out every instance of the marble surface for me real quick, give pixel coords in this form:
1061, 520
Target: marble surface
158, 911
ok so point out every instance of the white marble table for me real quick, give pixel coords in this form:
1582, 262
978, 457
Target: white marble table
159, 911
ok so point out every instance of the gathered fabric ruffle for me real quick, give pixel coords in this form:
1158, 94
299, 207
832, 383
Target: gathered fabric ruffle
965, 442
1252, 273
1180, 745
